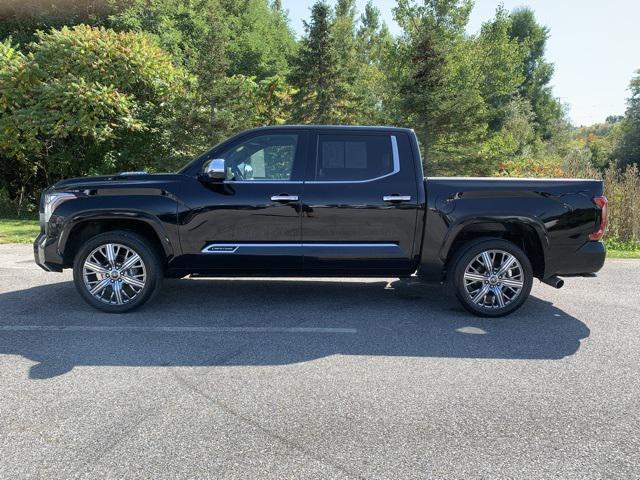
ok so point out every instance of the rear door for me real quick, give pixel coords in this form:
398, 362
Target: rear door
360, 203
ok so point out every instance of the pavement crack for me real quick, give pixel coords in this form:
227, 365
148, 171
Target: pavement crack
250, 421
126, 432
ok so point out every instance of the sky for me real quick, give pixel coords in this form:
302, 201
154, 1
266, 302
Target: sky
594, 45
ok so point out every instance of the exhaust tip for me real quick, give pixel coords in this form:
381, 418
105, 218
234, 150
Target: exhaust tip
555, 282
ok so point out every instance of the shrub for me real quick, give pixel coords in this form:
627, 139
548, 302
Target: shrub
83, 100
622, 188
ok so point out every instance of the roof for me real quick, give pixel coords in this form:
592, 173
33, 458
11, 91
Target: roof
332, 127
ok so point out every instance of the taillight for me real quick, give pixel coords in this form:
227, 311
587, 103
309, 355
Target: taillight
603, 203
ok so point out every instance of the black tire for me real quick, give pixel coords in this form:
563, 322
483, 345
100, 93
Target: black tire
487, 306
152, 268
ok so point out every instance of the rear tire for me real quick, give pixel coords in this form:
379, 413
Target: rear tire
495, 290
117, 271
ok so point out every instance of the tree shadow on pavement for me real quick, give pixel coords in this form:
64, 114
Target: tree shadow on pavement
197, 322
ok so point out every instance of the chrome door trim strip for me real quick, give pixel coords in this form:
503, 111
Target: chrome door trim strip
343, 245
230, 248
265, 182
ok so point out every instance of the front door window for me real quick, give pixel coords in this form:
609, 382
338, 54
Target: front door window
262, 158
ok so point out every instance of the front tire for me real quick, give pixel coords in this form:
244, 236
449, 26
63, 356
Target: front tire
117, 271
491, 277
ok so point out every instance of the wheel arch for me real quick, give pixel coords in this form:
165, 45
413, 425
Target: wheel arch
527, 234
81, 228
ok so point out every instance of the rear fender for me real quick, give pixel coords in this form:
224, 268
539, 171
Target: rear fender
490, 224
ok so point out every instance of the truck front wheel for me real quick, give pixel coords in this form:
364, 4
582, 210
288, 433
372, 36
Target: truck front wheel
117, 271
491, 277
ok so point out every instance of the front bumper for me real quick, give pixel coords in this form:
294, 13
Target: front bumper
45, 252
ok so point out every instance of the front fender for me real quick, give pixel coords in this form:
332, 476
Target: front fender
169, 242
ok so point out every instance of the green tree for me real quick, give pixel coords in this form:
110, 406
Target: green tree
232, 48
192, 31
348, 67
599, 141
500, 59
195, 35
431, 77
454, 88
315, 71
20, 20
373, 35
260, 39
628, 151
537, 71
374, 45
84, 101
339, 72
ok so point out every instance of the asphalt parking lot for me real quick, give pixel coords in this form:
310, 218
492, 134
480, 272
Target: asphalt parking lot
305, 379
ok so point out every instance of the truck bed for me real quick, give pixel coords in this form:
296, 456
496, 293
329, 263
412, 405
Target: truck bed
556, 214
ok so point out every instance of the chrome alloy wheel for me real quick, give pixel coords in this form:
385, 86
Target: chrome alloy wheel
493, 279
114, 274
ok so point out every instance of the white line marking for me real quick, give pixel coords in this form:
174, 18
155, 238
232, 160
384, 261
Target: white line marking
169, 329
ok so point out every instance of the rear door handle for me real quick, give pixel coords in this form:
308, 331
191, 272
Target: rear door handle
396, 198
284, 198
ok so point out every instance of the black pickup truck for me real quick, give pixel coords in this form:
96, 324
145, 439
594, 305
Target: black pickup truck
320, 201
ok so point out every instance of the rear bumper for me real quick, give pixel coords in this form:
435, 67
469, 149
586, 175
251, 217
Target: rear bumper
45, 252
589, 258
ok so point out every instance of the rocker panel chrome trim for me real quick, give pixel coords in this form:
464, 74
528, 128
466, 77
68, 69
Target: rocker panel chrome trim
231, 248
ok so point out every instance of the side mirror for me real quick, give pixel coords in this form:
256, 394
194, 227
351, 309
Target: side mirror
215, 169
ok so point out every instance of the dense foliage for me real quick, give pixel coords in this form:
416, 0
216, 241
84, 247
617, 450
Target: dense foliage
106, 85
84, 100
628, 148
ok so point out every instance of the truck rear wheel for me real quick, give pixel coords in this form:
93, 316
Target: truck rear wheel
117, 271
491, 277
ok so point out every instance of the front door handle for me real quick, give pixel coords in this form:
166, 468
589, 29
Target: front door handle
284, 198
396, 198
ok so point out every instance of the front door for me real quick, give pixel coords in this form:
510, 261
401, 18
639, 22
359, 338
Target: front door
251, 220
360, 204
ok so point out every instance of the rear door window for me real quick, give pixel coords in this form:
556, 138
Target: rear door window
345, 158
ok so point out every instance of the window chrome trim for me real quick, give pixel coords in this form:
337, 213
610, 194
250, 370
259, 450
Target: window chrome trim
396, 168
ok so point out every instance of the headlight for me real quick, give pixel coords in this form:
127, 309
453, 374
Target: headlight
53, 200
